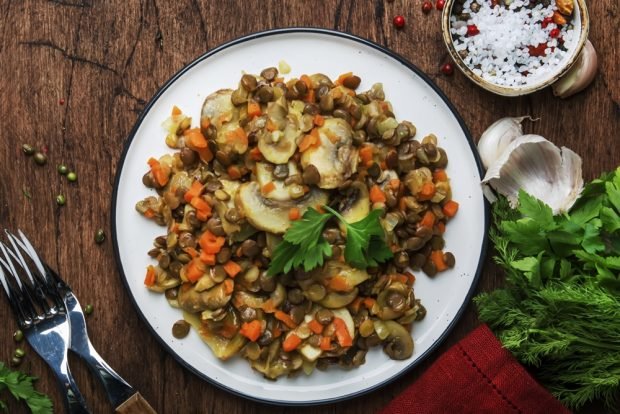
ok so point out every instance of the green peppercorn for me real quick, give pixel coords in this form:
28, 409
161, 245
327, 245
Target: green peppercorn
16, 361
18, 335
20, 353
62, 169
28, 149
60, 200
88, 309
99, 236
72, 176
40, 158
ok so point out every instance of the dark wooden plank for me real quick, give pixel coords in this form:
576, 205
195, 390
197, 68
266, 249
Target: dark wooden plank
105, 60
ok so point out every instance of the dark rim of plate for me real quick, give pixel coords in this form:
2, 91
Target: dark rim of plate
241, 40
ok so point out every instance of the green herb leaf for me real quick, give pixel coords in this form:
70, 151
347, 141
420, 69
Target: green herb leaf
21, 387
538, 211
613, 192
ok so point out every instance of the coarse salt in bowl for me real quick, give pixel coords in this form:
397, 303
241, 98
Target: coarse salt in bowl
513, 50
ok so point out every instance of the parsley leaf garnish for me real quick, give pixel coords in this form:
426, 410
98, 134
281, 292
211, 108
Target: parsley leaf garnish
21, 387
304, 245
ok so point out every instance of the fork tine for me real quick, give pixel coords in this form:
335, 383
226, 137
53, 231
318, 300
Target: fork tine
27, 246
20, 300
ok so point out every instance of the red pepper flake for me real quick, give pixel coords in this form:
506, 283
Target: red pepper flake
439, 4
537, 51
399, 21
427, 7
61, 101
472, 30
545, 22
554, 33
447, 69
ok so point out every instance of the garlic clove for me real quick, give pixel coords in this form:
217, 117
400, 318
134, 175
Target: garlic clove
497, 137
541, 169
580, 75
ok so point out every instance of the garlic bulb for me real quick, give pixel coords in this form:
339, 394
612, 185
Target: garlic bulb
580, 75
541, 169
497, 137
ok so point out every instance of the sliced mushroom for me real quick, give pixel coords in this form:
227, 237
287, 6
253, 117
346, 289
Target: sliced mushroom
231, 188
398, 345
278, 143
264, 175
272, 215
335, 300
191, 300
334, 268
382, 307
357, 206
335, 157
343, 313
222, 348
243, 298
415, 179
218, 108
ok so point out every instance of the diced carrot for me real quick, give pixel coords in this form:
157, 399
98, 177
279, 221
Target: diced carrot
194, 191
318, 120
149, 213
207, 258
342, 77
267, 188
291, 342
203, 209
285, 318
342, 333
191, 251
437, 259
339, 283
276, 331
195, 269
441, 227
306, 79
366, 154
194, 139
176, 111
315, 326
307, 141
234, 172
450, 208
210, 243
369, 302
326, 343
428, 220
160, 172
237, 136
269, 306
205, 154
310, 96
251, 330
400, 278
229, 286
149, 279
232, 269
383, 165
427, 192
440, 175
294, 214
377, 195
410, 277
253, 109
255, 154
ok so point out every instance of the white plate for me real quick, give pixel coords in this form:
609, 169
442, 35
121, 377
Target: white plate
414, 98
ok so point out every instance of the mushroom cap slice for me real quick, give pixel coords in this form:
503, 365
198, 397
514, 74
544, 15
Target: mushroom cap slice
356, 207
271, 215
218, 108
335, 157
264, 175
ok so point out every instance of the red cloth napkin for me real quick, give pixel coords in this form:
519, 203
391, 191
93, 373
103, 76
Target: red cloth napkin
477, 375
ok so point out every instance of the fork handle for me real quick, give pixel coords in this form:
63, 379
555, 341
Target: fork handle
74, 401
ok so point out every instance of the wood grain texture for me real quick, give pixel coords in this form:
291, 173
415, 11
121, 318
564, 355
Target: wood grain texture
105, 59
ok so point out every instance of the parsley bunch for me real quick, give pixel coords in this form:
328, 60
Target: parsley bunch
21, 387
304, 244
560, 311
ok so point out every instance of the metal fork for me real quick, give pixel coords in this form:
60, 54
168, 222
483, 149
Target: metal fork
121, 395
42, 317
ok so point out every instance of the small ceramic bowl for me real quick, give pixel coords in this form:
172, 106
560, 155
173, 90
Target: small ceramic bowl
581, 23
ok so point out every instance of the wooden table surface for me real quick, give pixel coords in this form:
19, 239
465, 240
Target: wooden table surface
74, 77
